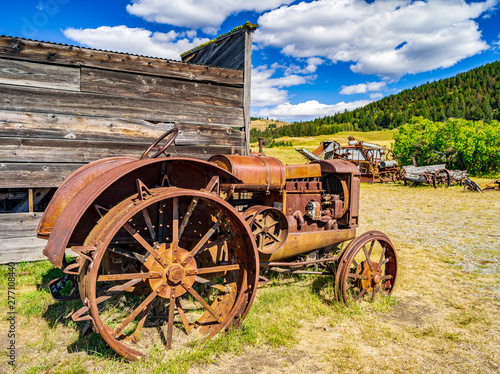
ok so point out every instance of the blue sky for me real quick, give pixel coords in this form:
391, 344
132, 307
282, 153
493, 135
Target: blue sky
310, 58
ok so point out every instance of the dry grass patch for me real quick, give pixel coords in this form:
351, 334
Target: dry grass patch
442, 317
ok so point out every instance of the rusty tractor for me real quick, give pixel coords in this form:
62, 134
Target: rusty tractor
170, 247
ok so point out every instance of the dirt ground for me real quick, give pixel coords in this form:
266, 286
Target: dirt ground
442, 318
448, 294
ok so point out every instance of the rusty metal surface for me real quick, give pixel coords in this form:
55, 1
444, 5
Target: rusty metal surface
103, 187
258, 173
162, 229
173, 268
269, 227
368, 267
302, 171
375, 163
71, 186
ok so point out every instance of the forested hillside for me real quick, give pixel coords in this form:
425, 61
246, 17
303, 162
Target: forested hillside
474, 95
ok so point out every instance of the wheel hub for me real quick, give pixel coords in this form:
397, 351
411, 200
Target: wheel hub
175, 274
372, 275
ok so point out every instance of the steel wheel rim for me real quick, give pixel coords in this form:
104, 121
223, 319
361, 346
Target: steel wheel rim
239, 295
357, 279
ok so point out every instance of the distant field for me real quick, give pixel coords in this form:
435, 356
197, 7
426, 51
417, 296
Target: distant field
289, 155
261, 124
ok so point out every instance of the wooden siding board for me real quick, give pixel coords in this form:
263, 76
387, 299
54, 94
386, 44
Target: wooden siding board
67, 127
77, 151
27, 248
77, 56
32, 74
18, 225
25, 99
33, 175
159, 88
46, 174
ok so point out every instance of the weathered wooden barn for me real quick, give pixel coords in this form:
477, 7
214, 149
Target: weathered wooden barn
63, 106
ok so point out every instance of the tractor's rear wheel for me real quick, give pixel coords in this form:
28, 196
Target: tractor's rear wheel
168, 263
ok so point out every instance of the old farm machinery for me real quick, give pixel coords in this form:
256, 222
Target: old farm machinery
170, 247
375, 163
435, 175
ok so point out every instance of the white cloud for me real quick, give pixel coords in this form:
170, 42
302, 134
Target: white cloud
268, 91
309, 109
136, 40
197, 14
362, 88
389, 38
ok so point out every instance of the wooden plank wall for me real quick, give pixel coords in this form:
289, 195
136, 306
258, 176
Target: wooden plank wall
64, 106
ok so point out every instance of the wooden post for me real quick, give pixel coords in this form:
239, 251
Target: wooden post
30, 198
247, 77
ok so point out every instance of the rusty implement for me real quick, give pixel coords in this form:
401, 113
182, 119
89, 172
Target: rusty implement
494, 185
375, 163
169, 248
435, 175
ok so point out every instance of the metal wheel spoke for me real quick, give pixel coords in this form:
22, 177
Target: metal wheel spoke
386, 277
371, 248
214, 243
170, 325
161, 220
375, 290
202, 302
115, 289
145, 244
355, 263
142, 319
384, 262
273, 224
132, 255
218, 269
119, 277
382, 256
202, 242
185, 322
139, 309
209, 283
361, 293
367, 256
258, 225
175, 227
272, 236
187, 216
149, 224
357, 276
261, 242
257, 231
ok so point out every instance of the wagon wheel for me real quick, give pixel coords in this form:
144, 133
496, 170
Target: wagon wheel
441, 178
173, 263
368, 269
269, 227
401, 175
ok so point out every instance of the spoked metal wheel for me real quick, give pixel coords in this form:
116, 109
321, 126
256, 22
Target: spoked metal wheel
441, 178
368, 269
269, 227
168, 263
